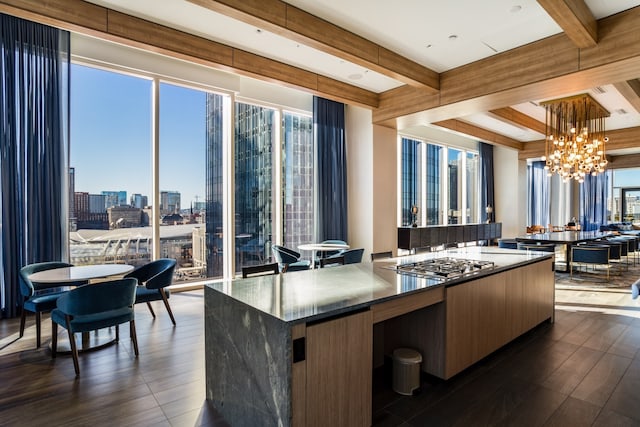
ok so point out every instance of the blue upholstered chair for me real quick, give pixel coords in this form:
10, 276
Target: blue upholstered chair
288, 259
351, 256
544, 247
260, 270
331, 261
325, 254
92, 307
584, 255
508, 243
153, 280
40, 297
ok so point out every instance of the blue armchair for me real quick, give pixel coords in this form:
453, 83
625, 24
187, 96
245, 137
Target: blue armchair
92, 307
584, 255
351, 256
153, 280
288, 259
40, 297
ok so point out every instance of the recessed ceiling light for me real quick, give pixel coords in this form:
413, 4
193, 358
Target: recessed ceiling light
515, 9
453, 37
356, 76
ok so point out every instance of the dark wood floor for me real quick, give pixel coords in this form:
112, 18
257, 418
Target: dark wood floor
582, 370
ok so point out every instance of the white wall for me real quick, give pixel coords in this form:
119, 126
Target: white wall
385, 197
509, 190
359, 140
372, 183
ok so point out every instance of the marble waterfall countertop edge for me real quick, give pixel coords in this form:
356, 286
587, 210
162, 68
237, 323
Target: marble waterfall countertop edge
304, 296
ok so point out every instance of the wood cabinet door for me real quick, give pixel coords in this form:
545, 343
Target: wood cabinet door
476, 323
339, 356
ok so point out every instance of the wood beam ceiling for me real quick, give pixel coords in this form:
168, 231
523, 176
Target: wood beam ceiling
515, 117
545, 69
86, 18
619, 139
628, 91
288, 21
482, 134
575, 19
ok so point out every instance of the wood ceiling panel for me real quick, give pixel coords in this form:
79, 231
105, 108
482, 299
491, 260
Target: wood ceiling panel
315, 32
480, 133
619, 139
515, 117
619, 39
575, 19
107, 24
66, 14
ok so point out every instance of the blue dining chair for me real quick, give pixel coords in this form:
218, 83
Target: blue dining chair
153, 281
92, 307
288, 259
40, 297
351, 256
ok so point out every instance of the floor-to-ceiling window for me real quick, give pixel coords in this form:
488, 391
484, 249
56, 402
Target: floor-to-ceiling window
254, 140
473, 188
297, 179
422, 183
110, 159
623, 203
111, 175
434, 184
455, 186
183, 124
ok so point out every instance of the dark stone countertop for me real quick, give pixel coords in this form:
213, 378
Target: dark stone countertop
304, 296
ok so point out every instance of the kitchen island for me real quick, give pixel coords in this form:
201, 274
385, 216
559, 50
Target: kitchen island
299, 348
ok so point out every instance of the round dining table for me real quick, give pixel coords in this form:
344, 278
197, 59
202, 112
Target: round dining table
315, 247
100, 338
78, 273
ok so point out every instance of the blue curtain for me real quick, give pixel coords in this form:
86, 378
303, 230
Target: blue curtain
538, 188
410, 178
593, 201
328, 133
486, 181
34, 132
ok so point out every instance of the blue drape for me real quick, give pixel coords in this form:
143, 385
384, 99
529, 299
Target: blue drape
328, 133
538, 194
410, 179
34, 131
486, 181
593, 201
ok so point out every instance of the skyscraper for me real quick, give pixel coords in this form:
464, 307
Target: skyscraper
114, 198
169, 202
214, 186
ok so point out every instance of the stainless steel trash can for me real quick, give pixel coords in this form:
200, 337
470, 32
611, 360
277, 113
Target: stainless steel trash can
406, 370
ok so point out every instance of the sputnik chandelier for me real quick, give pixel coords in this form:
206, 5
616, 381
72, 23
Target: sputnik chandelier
575, 137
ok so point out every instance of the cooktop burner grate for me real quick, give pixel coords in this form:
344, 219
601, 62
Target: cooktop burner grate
447, 268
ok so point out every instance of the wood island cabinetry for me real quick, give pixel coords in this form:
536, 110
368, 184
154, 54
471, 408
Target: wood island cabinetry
298, 348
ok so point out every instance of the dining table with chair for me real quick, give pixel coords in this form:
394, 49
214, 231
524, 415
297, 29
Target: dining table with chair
72, 275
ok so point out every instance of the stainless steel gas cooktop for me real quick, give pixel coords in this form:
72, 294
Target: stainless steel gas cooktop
446, 268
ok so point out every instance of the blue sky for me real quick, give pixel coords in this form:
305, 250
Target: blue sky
111, 143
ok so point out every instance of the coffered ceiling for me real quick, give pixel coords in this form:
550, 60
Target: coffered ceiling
478, 68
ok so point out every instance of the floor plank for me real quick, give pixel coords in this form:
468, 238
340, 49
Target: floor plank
584, 369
